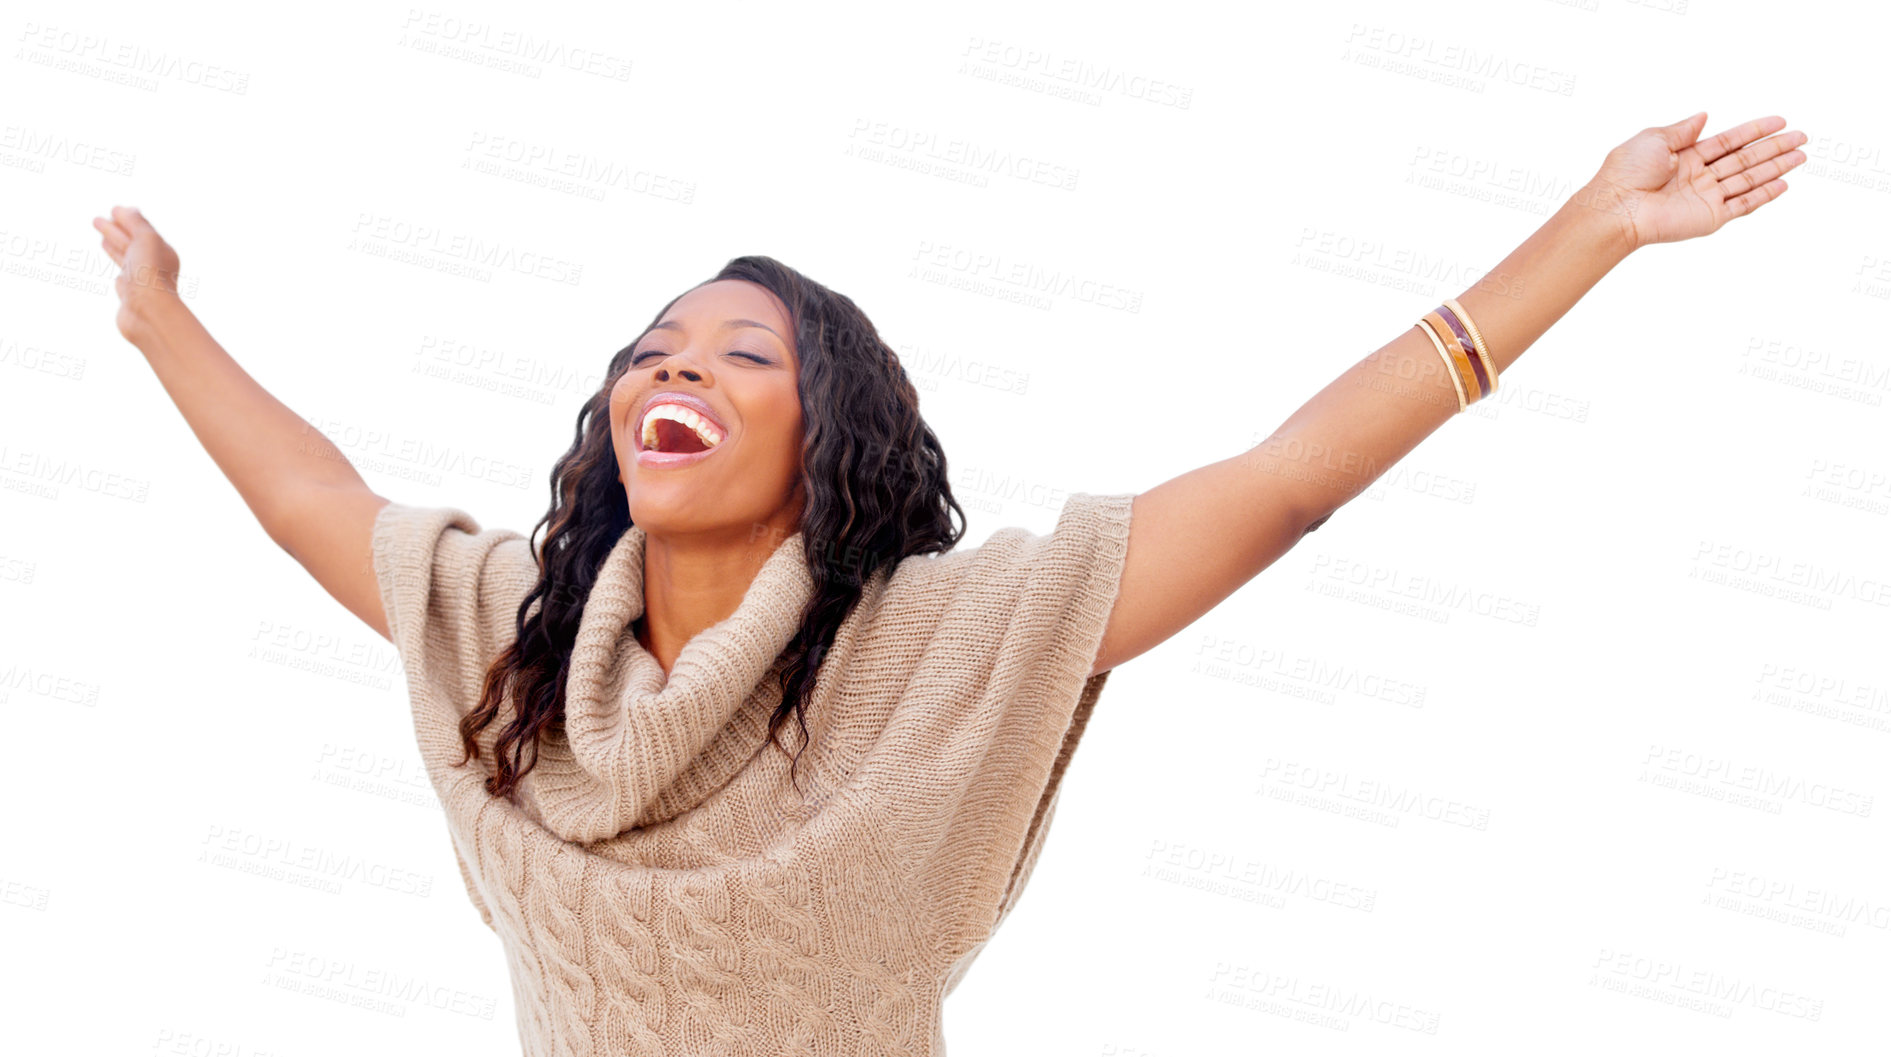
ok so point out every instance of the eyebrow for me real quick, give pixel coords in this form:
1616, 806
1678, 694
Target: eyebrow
727, 324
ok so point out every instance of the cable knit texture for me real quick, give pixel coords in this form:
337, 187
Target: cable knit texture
659, 886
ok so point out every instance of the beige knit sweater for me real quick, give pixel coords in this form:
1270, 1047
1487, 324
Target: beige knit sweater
660, 887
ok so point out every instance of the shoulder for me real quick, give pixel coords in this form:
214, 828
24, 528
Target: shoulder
436, 565
1091, 531
443, 538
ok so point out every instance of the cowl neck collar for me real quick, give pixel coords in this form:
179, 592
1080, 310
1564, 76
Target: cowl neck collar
639, 749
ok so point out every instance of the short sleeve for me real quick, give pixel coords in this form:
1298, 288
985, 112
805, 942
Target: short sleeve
1023, 616
450, 591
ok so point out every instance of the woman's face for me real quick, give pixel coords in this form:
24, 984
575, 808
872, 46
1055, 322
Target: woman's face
709, 346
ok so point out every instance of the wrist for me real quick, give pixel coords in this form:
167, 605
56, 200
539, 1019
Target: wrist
1602, 219
160, 315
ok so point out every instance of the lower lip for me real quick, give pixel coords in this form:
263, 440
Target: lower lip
670, 460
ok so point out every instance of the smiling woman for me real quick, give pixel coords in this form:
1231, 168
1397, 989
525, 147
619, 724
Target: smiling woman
661, 880
705, 363
682, 607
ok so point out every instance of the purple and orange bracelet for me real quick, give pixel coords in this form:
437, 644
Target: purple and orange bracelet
1467, 359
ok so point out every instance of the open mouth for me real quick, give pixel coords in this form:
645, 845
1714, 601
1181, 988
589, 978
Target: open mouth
672, 437
670, 428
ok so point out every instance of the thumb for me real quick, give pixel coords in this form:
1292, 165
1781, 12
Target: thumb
1684, 131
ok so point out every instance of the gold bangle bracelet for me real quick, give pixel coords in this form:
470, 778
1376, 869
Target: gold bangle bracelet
1473, 389
1451, 369
1452, 332
1483, 350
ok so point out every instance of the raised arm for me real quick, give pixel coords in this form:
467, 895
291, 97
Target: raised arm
1194, 540
305, 493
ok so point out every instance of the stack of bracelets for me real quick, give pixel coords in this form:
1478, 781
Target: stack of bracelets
1467, 359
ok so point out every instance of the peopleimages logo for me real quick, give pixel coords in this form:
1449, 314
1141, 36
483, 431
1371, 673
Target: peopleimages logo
1451, 61
482, 37
1026, 276
1066, 75
384, 235
77, 51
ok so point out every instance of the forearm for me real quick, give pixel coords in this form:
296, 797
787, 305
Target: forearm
272, 455
1543, 278
1370, 417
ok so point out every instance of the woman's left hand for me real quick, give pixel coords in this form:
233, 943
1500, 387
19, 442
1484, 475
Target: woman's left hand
1667, 187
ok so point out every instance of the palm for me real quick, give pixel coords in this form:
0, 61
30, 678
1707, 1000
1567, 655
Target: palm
1667, 186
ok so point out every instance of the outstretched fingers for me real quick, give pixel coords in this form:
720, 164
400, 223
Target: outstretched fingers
113, 238
1715, 148
1756, 198
132, 221
1738, 183
1754, 153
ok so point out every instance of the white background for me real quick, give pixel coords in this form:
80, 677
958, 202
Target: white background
1676, 769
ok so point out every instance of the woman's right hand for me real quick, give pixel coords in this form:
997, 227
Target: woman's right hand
1667, 184
148, 269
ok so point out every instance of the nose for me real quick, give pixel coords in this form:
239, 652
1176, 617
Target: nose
683, 365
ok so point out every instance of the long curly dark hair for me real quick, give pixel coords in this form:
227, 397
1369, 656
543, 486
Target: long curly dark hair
872, 472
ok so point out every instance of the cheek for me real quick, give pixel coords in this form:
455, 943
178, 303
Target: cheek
620, 401
788, 428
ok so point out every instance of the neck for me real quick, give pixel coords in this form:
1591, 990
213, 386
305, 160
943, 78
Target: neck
692, 583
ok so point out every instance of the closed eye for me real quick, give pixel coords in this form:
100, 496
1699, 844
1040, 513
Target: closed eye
642, 356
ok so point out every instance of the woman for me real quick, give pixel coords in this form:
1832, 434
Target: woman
753, 525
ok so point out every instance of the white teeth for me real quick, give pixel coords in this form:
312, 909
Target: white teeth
706, 430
